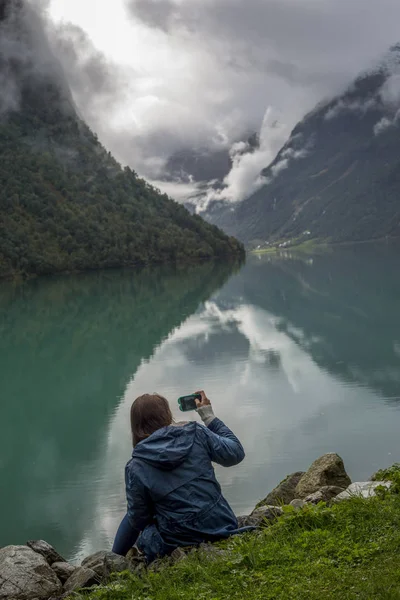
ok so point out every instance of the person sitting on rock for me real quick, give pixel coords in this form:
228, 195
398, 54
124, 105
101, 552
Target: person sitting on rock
174, 498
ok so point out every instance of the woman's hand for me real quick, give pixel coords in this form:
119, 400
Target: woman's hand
204, 409
204, 400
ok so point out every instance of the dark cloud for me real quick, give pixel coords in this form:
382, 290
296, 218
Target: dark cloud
301, 40
156, 13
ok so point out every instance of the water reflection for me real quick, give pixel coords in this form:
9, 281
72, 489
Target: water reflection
300, 357
68, 347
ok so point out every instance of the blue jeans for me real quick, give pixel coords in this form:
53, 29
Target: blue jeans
149, 542
125, 539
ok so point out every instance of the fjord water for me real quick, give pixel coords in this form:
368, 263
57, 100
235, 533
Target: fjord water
300, 356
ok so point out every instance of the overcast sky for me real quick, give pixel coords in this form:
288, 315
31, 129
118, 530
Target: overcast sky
152, 76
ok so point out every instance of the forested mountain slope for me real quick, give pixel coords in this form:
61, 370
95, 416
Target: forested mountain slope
338, 176
65, 203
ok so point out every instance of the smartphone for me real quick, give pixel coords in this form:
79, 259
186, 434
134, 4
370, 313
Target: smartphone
188, 402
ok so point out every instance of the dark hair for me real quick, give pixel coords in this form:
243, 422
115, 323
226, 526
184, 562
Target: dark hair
149, 413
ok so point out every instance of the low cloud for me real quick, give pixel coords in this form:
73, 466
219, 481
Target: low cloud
24, 51
248, 163
357, 106
245, 176
387, 123
92, 78
390, 91
382, 125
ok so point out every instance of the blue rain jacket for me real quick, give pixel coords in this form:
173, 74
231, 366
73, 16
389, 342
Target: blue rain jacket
172, 490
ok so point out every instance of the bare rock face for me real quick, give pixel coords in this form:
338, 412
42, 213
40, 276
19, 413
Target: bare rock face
328, 470
81, 578
325, 494
63, 570
284, 493
47, 551
25, 575
260, 515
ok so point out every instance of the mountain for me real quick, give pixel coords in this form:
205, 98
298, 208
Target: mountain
65, 203
337, 177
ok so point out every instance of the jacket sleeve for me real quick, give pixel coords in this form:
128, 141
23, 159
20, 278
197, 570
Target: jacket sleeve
223, 446
139, 503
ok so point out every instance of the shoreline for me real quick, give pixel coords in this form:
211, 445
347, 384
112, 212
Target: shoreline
315, 245
320, 499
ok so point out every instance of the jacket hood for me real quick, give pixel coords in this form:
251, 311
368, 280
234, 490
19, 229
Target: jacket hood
168, 447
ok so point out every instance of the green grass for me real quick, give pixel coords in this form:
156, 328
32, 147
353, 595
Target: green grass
305, 246
351, 550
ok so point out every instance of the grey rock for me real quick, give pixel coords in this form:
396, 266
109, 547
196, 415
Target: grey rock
105, 563
114, 563
159, 564
260, 515
284, 493
25, 575
43, 548
325, 494
81, 578
63, 570
136, 560
134, 554
212, 550
328, 470
297, 504
178, 555
95, 562
362, 489
137, 567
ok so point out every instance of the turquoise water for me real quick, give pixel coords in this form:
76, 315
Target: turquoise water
299, 356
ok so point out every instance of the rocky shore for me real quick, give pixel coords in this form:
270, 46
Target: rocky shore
37, 571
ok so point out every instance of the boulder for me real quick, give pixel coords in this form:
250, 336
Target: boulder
95, 562
105, 563
284, 493
362, 489
297, 504
328, 470
260, 515
63, 570
81, 578
325, 494
25, 575
47, 551
114, 563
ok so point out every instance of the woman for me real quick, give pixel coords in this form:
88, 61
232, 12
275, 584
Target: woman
173, 496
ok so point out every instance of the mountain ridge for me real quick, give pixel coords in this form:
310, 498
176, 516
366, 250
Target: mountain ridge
65, 203
337, 176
